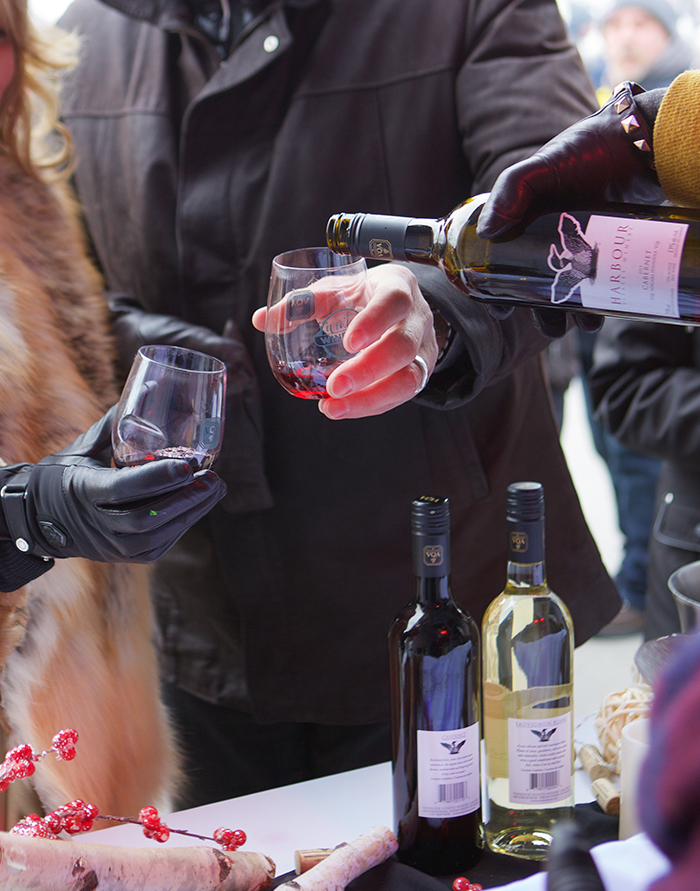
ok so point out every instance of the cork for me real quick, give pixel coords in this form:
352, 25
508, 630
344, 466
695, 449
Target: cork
309, 857
594, 764
607, 796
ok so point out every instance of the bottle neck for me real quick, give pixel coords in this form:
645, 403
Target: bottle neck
526, 565
431, 567
382, 237
528, 575
432, 590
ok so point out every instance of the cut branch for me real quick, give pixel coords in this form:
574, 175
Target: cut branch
346, 862
37, 864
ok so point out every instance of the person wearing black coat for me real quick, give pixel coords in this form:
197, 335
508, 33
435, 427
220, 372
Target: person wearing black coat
207, 144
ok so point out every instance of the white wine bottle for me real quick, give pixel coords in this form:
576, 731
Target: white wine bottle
527, 668
634, 261
435, 707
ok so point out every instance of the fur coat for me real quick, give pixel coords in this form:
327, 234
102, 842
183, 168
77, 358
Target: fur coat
76, 644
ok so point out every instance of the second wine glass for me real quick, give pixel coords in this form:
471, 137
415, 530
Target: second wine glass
314, 295
172, 406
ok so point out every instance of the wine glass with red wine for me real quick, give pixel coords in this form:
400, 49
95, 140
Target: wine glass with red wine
314, 295
172, 406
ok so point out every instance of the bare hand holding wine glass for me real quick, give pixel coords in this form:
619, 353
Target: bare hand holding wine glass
361, 342
314, 295
172, 406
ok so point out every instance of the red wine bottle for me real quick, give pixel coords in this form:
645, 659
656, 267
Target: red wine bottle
435, 694
634, 261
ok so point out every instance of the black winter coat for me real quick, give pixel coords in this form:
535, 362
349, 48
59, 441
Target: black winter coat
193, 175
646, 385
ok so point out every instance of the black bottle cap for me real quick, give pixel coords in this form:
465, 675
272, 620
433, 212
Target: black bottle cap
430, 515
525, 502
430, 527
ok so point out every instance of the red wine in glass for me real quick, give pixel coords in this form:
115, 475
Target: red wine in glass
196, 458
313, 297
172, 406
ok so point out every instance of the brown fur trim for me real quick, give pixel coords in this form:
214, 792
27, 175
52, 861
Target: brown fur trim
85, 658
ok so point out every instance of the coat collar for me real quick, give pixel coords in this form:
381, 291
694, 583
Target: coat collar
173, 14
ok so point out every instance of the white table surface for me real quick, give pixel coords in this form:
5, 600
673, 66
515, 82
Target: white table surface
315, 814
330, 810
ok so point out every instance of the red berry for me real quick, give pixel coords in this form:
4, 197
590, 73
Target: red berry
461, 884
33, 825
162, 834
223, 836
239, 837
54, 822
63, 744
91, 811
148, 816
23, 752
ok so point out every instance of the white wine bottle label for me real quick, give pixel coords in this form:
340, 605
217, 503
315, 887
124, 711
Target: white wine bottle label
539, 759
619, 264
448, 772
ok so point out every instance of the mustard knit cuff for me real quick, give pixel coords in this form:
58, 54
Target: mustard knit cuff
677, 141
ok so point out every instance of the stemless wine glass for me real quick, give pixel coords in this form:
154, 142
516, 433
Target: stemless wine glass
314, 295
172, 406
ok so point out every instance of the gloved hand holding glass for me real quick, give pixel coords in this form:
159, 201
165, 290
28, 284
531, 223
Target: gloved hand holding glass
75, 504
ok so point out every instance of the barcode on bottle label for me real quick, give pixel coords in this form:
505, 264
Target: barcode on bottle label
540, 760
544, 780
448, 772
452, 792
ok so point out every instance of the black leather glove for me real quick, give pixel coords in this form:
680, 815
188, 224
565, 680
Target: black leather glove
604, 157
73, 504
597, 159
570, 866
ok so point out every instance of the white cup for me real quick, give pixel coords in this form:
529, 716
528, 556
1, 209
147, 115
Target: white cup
635, 745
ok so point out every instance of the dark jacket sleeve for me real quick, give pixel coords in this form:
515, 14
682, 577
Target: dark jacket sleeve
487, 347
521, 83
645, 385
519, 68
16, 569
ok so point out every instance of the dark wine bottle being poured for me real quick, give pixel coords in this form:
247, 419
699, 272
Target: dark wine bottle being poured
634, 261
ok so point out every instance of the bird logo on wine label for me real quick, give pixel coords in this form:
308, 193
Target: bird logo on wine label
454, 747
544, 735
576, 261
433, 555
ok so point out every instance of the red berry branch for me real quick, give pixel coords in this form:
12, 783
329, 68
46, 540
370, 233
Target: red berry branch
77, 816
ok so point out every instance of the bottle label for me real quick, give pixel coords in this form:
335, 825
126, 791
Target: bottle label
539, 759
619, 264
448, 772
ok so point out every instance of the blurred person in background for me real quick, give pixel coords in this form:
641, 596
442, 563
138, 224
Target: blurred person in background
640, 43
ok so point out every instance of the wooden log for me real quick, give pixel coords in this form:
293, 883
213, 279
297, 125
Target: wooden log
346, 862
37, 864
